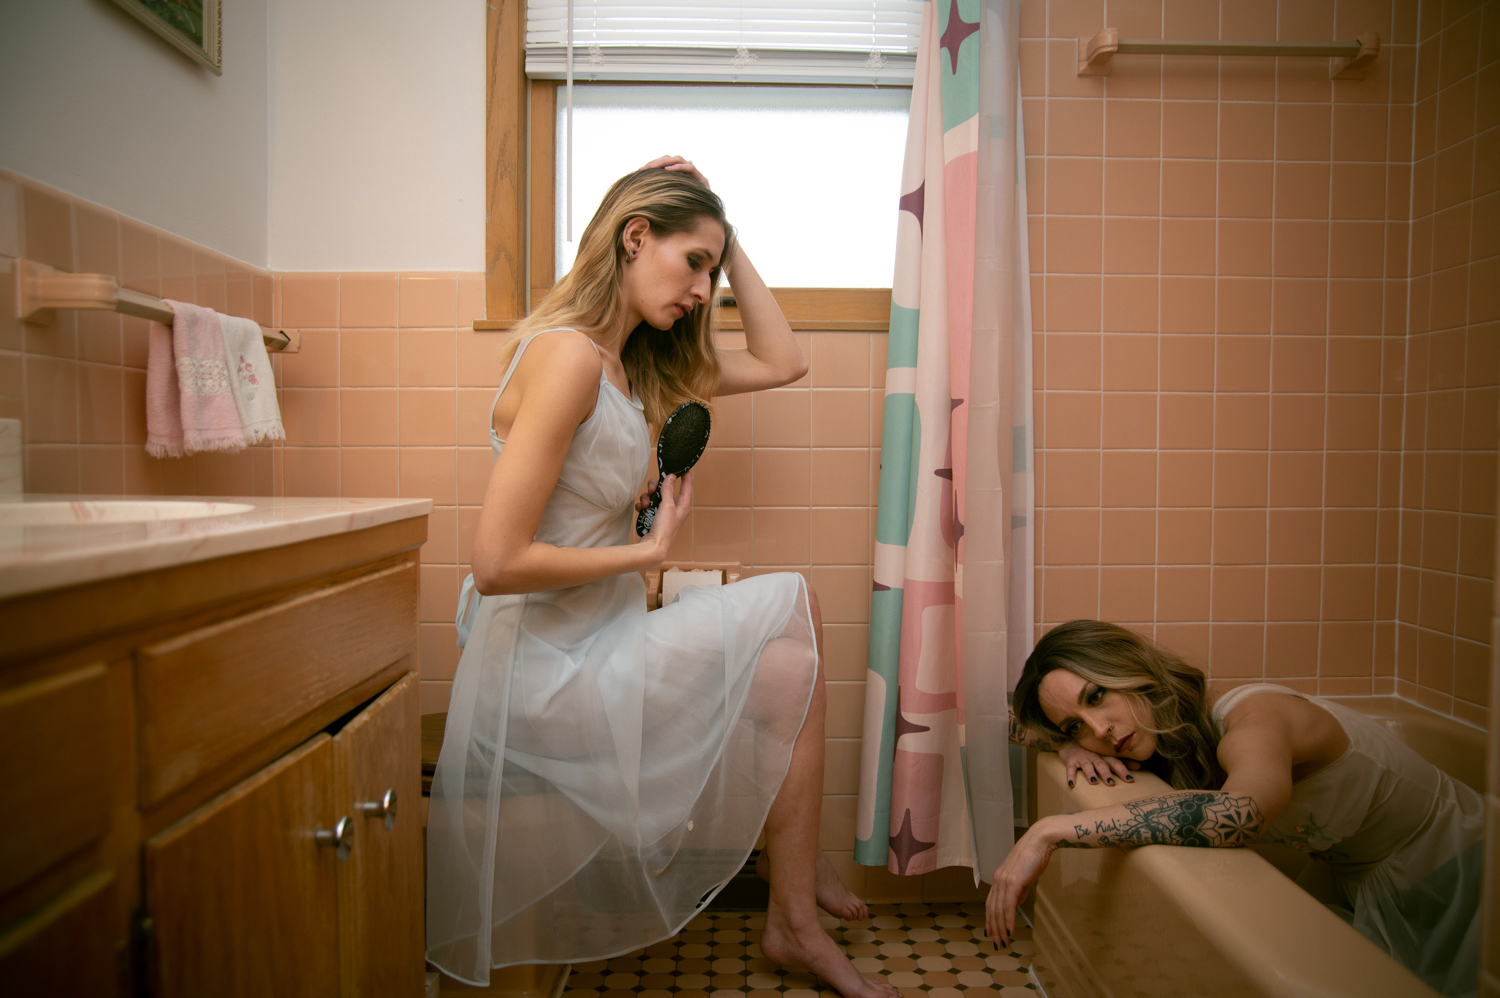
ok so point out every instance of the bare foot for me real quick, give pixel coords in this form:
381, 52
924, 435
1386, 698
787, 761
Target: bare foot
807, 945
833, 897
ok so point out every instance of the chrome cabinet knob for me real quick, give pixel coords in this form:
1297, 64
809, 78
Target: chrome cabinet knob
385, 808
341, 837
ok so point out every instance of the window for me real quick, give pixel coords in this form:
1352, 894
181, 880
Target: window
810, 176
855, 43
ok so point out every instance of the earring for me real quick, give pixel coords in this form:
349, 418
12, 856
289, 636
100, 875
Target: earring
630, 257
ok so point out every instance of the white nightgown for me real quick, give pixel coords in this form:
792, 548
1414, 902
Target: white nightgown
1402, 838
641, 752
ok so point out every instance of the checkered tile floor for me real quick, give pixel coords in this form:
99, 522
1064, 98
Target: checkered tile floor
926, 950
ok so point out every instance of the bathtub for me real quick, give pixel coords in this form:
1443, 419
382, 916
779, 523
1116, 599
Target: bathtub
1170, 920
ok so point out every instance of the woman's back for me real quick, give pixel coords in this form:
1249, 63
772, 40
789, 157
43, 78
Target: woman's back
1402, 838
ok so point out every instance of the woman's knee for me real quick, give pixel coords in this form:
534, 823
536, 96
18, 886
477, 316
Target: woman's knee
782, 676
813, 606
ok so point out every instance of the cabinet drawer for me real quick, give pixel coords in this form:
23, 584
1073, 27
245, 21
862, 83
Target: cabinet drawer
206, 696
54, 747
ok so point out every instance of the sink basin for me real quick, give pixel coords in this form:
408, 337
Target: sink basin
107, 511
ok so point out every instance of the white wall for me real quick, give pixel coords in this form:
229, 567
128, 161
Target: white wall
377, 135
92, 102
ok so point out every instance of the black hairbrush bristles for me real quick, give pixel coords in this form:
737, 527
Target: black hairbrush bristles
683, 437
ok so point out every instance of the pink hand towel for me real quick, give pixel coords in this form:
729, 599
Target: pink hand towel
208, 418
163, 408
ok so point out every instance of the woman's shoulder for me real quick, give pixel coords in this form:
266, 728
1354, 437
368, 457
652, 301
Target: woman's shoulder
1284, 712
1259, 700
565, 353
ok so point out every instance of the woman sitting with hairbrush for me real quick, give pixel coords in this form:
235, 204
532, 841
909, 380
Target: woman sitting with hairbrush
1401, 837
605, 772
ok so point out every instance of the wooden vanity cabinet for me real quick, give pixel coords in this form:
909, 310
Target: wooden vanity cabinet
178, 785
239, 902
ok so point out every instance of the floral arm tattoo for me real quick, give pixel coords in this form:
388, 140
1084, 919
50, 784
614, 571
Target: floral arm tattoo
1027, 736
1188, 818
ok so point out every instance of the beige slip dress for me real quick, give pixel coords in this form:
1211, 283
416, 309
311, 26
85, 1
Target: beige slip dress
1402, 838
604, 771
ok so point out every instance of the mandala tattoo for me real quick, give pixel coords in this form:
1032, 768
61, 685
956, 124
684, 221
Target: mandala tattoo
1026, 736
1210, 818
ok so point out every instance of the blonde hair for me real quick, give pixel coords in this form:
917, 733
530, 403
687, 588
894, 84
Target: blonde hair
666, 367
1173, 693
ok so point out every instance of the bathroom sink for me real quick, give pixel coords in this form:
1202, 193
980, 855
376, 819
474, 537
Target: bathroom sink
111, 511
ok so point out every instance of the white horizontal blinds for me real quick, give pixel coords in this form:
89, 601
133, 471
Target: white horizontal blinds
827, 41
847, 25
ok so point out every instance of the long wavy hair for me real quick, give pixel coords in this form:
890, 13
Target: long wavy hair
1172, 694
666, 367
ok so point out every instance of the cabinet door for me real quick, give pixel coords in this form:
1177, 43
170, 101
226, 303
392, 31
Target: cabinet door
72, 948
380, 887
242, 897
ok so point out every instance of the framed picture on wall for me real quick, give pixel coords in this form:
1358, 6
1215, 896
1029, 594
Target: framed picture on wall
190, 25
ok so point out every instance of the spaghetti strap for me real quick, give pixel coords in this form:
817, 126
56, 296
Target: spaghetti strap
516, 359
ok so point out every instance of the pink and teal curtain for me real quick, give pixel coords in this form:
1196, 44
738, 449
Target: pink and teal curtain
951, 612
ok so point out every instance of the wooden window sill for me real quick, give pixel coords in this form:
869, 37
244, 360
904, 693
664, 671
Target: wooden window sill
837, 310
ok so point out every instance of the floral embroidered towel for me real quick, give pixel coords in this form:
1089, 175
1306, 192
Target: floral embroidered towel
250, 380
210, 421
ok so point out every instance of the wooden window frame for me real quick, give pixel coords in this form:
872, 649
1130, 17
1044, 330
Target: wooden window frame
521, 182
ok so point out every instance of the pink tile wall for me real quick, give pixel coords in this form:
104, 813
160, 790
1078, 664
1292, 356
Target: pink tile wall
1453, 364
78, 384
389, 396
1219, 284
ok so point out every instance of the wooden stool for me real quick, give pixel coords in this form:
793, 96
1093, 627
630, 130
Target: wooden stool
527, 981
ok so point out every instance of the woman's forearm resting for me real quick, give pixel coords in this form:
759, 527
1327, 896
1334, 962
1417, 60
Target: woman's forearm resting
1211, 818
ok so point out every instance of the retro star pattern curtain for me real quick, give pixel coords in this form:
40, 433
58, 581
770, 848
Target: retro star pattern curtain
951, 612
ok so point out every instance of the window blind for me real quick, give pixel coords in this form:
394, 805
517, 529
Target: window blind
713, 41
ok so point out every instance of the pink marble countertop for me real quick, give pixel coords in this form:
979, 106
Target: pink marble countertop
38, 557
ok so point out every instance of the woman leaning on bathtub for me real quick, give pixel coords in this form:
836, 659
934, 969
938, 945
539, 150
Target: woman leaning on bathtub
1402, 838
604, 771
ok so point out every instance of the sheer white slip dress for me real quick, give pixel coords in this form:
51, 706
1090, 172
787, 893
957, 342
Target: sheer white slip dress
604, 771
1402, 838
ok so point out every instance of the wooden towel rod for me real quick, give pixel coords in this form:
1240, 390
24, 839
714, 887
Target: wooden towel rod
40, 290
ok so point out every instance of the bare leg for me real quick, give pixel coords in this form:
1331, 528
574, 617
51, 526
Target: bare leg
792, 935
832, 896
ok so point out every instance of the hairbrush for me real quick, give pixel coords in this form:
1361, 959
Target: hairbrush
683, 437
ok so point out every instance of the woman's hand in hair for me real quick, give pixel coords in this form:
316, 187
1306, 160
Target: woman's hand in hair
1094, 768
676, 504
676, 164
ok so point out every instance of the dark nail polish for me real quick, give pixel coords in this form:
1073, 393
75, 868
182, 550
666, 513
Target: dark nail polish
1070, 783
1130, 779
1093, 779
1110, 782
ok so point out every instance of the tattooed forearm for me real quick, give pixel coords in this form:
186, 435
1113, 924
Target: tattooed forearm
1210, 818
1027, 736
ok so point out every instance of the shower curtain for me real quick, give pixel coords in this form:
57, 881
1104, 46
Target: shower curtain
951, 612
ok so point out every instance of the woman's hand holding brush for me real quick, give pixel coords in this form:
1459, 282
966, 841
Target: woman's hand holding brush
676, 504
